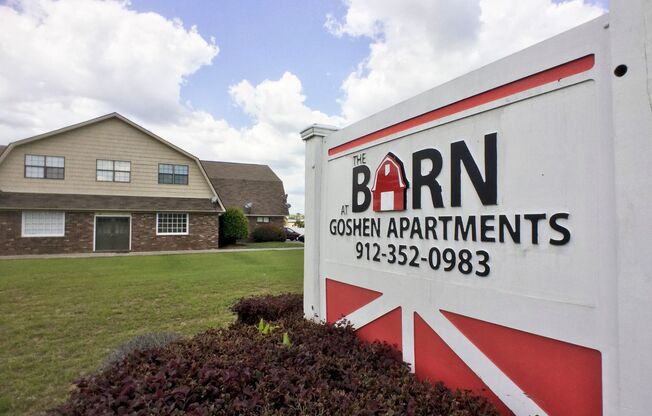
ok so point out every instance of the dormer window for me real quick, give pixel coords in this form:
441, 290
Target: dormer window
173, 174
44, 167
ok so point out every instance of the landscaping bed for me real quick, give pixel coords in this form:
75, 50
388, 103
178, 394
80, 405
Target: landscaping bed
286, 367
61, 318
264, 245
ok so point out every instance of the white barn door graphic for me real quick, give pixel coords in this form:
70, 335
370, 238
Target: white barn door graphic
387, 197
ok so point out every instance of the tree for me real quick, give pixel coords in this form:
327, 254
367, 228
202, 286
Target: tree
233, 226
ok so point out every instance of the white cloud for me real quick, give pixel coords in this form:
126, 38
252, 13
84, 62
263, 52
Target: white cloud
278, 112
66, 61
417, 44
63, 62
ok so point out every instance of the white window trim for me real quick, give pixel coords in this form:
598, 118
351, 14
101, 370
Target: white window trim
112, 170
111, 215
45, 166
22, 227
187, 175
187, 223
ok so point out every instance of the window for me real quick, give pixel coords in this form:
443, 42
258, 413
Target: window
44, 167
262, 219
43, 224
173, 174
113, 171
171, 223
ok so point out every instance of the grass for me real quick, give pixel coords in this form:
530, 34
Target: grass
59, 318
267, 244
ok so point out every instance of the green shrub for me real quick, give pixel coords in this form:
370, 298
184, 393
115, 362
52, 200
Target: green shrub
233, 225
268, 232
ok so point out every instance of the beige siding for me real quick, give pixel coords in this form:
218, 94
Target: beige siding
109, 139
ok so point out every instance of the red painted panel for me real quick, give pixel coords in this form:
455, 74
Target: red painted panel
388, 328
562, 378
343, 298
436, 361
376, 204
540, 78
399, 200
389, 182
390, 177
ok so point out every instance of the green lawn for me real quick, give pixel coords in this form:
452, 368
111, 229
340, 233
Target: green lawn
60, 317
267, 244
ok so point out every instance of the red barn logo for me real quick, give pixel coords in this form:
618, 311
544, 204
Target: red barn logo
390, 185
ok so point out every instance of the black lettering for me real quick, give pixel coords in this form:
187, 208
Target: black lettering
484, 262
464, 232
514, 232
416, 228
361, 188
485, 228
357, 226
391, 229
431, 227
565, 232
429, 179
333, 227
340, 227
375, 227
349, 230
486, 189
404, 224
534, 219
445, 220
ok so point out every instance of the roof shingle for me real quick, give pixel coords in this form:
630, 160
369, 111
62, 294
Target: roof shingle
238, 184
78, 202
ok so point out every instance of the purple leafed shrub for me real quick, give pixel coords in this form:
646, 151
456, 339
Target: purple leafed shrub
270, 308
268, 232
319, 370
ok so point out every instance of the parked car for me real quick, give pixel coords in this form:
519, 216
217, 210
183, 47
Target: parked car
291, 234
301, 238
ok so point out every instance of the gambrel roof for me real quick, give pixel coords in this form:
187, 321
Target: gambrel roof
79, 202
6, 150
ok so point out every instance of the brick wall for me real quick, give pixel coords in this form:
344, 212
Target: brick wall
78, 237
203, 233
277, 221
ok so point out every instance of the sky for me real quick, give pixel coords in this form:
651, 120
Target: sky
237, 80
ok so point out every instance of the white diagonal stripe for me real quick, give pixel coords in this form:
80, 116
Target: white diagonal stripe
489, 373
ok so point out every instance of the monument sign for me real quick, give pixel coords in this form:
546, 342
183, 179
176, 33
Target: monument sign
496, 229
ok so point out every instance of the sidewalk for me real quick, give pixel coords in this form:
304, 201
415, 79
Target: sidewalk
143, 253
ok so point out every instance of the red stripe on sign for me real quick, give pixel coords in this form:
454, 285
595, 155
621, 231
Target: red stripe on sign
435, 361
562, 378
343, 298
387, 328
556, 73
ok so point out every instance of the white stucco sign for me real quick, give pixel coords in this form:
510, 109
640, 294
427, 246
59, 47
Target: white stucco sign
496, 229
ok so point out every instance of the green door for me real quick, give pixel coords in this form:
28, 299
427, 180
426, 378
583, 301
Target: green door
112, 233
